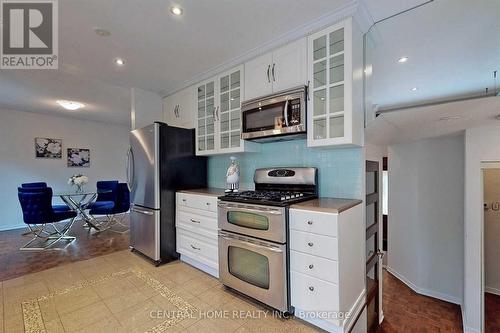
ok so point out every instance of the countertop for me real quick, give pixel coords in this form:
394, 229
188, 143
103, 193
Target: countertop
210, 191
327, 205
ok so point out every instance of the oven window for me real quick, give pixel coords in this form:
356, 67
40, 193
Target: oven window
249, 266
269, 117
248, 220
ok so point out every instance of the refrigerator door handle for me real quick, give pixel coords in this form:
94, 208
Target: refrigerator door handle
130, 168
140, 211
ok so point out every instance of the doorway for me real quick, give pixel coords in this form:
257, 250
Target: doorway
491, 247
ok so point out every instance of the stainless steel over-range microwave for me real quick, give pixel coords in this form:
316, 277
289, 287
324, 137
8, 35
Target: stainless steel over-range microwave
275, 117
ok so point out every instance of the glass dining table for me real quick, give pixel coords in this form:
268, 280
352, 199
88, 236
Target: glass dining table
79, 201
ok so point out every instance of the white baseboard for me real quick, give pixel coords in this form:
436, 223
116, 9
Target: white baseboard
492, 290
423, 291
13, 227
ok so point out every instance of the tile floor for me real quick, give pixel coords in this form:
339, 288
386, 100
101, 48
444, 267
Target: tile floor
121, 292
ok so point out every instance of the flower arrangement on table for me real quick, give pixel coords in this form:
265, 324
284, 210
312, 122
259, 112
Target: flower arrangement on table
78, 180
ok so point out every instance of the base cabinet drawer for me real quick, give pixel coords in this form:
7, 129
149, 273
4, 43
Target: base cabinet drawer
317, 267
196, 201
201, 224
317, 245
200, 248
315, 222
311, 294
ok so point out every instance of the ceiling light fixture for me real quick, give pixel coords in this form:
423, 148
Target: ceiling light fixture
102, 32
70, 105
176, 10
414, 89
119, 61
402, 60
448, 118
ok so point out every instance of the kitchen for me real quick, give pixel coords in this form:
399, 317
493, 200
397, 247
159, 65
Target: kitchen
248, 166
288, 238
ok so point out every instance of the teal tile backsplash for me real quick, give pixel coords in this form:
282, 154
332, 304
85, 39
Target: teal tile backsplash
340, 170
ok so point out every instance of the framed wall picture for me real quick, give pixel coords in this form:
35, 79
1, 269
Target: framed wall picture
48, 148
78, 158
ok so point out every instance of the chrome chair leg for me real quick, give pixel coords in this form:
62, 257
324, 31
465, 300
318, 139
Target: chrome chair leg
40, 233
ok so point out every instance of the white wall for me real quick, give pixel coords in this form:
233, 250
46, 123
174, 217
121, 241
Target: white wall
492, 230
107, 143
481, 144
146, 107
426, 215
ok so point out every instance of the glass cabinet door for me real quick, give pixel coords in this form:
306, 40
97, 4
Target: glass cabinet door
328, 85
205, 134
230, 110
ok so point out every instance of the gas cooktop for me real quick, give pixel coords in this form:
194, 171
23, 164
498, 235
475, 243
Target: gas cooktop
279, 187
281, 198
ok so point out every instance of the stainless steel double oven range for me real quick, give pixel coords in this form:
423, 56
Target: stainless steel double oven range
253, 234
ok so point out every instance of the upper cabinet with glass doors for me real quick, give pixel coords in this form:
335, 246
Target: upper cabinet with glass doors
218, 128
335, 110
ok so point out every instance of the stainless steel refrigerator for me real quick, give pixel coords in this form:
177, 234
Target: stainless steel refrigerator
161, 161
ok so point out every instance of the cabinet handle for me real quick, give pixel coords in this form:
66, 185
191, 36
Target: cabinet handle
268, 77
183, 200
310, 244
311, 266
311, 288
195, 221
310, 222
217, 113
208, 203
274, 77
177, 111
307, 90
194, 247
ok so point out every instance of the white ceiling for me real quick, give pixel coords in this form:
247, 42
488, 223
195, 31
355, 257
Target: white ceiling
453, 48
161, 51
424, 122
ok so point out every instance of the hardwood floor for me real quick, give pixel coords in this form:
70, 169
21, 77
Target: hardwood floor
407, 311
87, 245
492, 313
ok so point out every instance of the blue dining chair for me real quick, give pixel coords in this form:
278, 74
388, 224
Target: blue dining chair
38, 214
35, 185
114, 213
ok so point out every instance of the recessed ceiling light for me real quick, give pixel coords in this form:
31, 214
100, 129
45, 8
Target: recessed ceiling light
102, 32
119, 61
70, 105
414, 89
176, 10
402, 60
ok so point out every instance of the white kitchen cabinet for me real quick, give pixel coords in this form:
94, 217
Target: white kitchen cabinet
258, 80
335, 108
179, 109
281, 69
196, 231
327, 265
218, 129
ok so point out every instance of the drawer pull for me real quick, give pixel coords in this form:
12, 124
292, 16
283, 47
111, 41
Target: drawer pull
195, 221
310, 222
208, 203
311, 288
183, 200
194, 247
311, 266
310, 244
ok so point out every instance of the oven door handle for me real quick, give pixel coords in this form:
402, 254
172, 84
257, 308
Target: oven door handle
257, 246
251, 210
